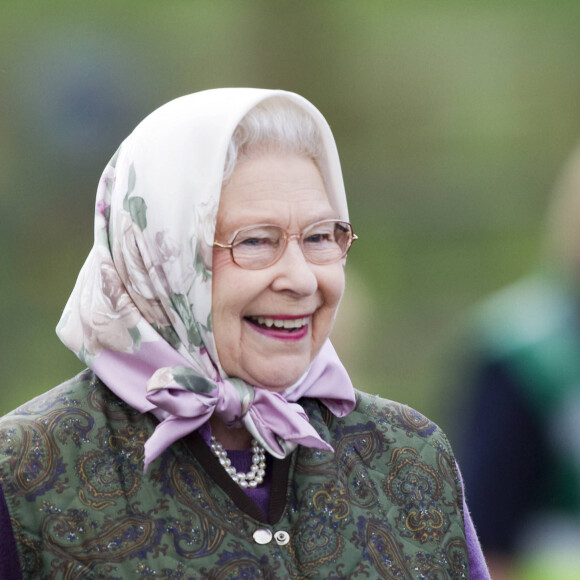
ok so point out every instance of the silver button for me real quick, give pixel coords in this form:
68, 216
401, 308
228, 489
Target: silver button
262, 536
282, 538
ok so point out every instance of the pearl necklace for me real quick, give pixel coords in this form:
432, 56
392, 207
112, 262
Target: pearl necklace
255, 476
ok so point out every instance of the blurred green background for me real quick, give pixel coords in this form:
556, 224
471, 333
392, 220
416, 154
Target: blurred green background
452, 119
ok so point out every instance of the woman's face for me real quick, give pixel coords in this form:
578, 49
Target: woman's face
287, 191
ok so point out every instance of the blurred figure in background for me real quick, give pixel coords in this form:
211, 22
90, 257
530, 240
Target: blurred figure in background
519, 443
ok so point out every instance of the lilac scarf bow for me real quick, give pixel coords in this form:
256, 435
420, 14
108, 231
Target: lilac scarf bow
274, 419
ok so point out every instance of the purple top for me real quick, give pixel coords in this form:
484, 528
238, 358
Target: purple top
477, 566
9, 563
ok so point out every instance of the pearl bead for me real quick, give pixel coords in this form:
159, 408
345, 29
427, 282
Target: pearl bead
255, 476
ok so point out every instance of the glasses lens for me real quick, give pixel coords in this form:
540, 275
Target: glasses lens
257, 247
327, 241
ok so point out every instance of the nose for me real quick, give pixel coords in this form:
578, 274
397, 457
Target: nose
293, 272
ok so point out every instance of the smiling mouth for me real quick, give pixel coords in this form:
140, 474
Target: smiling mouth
288, 324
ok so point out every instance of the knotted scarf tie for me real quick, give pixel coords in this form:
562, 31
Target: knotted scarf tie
274, 419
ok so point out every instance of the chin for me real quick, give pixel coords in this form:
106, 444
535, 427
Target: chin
276, 381
275, 387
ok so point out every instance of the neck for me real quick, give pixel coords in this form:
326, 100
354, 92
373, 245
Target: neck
234, 438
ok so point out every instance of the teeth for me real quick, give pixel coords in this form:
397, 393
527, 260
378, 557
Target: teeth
278, 323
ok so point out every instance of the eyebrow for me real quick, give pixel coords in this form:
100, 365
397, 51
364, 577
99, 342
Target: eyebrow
242, 223
230, 232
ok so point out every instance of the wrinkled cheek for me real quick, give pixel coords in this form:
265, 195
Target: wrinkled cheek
334, 294
336, 287
221, 263
221, 258
227, 351
226, 331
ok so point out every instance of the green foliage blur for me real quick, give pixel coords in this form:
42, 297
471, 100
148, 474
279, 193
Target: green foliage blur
452, 119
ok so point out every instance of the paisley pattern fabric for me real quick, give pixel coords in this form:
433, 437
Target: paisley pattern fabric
386, 504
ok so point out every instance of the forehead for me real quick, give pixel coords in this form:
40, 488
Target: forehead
274, 188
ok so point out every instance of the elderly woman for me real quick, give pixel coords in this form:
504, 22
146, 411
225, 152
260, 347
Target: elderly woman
216, 434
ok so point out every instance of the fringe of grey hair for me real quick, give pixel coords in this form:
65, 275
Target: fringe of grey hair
276, 125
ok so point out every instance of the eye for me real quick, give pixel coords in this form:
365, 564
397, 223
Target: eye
250, 242
319, 234
318, 238
257, 238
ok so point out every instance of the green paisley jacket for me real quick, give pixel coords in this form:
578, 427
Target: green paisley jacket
387, 504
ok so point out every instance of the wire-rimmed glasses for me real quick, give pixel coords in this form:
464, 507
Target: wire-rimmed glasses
257, 247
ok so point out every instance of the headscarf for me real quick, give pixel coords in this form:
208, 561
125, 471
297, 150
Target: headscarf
140, 313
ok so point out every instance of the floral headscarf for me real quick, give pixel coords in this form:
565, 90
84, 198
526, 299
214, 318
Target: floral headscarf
140, 312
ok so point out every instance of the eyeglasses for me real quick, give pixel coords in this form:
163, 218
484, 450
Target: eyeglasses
257, 247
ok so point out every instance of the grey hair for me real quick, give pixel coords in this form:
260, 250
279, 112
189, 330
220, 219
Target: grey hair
276, 125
